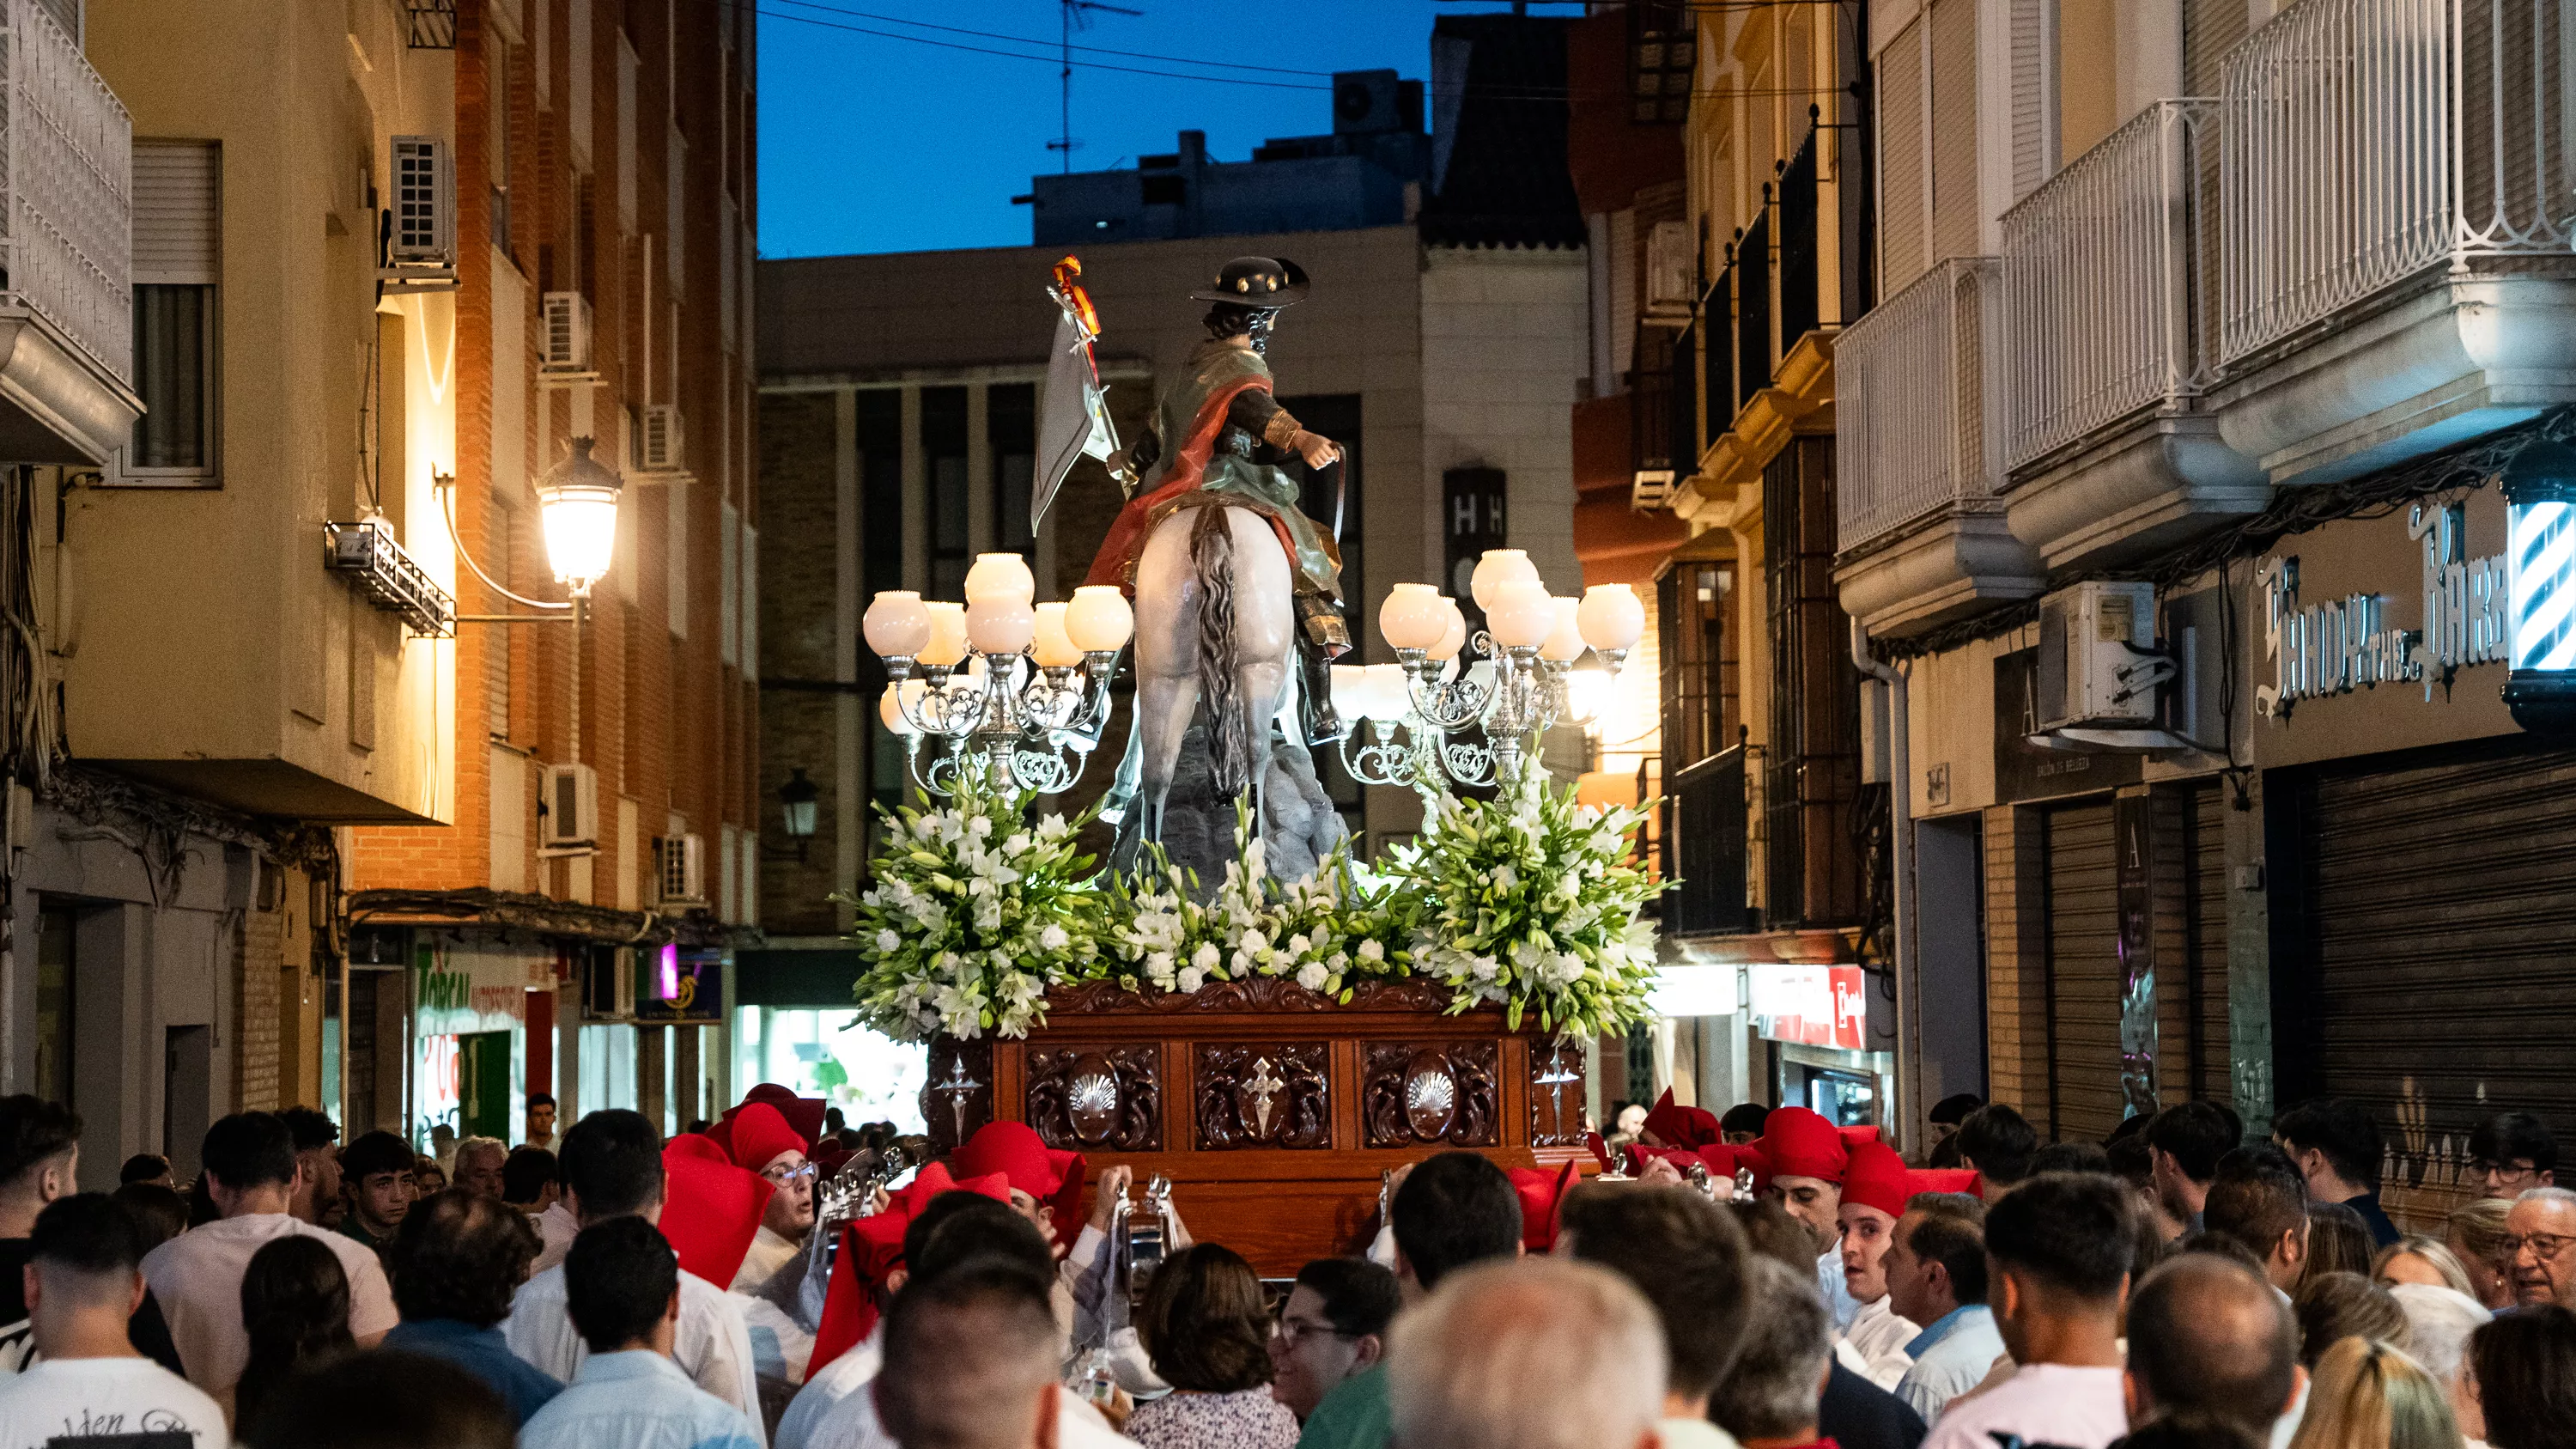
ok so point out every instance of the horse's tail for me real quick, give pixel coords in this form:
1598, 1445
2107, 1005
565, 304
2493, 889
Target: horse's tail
1229, 734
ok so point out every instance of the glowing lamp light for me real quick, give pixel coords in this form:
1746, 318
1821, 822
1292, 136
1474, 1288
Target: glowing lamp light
577, 498
1350, 690
1612, 617
1413, 616
1564, 642
1000, 624
1000, 578
890, 705
2539, 485
1099, 618
897, 624
1520, 613
669, 971
1054, 646
1499, 566
1454, 637
947, 636
1587, 694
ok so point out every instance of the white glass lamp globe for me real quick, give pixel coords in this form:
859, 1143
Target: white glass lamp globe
1500, 566
1054, 646
1389, 696
1564, 642
1000, 576
1412, 617
1612, 617
947, 636
1521, 614
1350, 690
1453, 636
890, 705
1000, 624
1099, 619
897, 624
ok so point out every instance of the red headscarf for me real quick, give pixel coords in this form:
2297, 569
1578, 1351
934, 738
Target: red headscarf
1677, 1126
1800, 1143
1542, 1197
757, 1135
805, 1114
710, 1208
871, 1249
1877, 1178
1015, 1150
1947, 1179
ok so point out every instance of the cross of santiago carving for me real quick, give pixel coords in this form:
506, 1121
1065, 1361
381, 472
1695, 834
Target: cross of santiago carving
1263, 1085
957, 1089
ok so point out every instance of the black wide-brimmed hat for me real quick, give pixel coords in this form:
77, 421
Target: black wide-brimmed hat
1266, 283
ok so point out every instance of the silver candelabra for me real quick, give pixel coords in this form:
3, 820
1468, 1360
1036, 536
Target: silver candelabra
1033, 733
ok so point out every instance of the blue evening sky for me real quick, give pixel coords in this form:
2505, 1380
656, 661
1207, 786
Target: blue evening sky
872, 144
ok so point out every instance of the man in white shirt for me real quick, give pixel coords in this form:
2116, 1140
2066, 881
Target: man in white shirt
623, 1288
612, 1168
1876, 1188
82, 1285
1936, 1276
251, 1173
2060, 1246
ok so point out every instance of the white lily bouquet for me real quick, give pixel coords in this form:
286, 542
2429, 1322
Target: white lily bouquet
1528, 900
971, 915
1325, 932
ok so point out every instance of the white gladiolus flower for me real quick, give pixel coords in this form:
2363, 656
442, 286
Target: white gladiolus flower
1191, 978
888, 941
1371, 951
1205, 958
1312, 975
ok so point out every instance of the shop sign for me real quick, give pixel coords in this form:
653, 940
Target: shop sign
2024, 771
2317, 651
1825, 1006
684, 988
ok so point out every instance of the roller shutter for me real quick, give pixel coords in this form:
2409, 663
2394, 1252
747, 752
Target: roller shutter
2437, 918
2083, 973
2207, 1052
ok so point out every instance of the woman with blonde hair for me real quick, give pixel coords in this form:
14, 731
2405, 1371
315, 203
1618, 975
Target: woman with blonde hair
2419, 1259
2476, 1234
2367, 1395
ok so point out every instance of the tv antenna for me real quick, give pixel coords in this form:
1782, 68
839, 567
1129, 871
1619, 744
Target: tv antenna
1077, 16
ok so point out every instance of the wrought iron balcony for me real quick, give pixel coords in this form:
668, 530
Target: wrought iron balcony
2109, 302
1917, 386
2371, 141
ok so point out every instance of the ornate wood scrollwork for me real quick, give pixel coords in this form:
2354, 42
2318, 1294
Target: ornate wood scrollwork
1087, 1097
1419, 1094
1556, 1093
1263, 1096
958, 1097
1258, 993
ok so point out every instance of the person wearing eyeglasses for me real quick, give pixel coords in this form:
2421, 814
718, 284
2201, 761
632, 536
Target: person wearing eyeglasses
2542, 1229
1332, 1327
2511, 1153
762, 1142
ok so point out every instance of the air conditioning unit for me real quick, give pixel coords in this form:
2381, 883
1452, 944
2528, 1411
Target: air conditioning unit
2098, 664
680, 870
565, 323
1672, 271
570, 820
420, 225
657, 442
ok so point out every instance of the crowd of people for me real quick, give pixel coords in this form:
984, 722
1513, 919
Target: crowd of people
1758, 1280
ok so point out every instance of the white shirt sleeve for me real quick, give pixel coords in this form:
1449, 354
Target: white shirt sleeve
717, 1355
371, 1298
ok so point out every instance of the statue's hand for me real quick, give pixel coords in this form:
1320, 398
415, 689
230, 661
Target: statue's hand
1317, 450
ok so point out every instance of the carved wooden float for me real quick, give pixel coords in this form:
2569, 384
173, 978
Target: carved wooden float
1272, 1109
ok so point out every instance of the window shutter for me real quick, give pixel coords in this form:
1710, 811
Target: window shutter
175, 231
1901, 161
2034, 148
1954, 129
2210, 29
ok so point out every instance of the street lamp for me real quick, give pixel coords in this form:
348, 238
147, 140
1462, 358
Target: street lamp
796, 803
578, 499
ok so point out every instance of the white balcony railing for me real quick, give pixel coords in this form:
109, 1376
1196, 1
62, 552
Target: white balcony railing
1915, 402
2370, 140
66, 200
2108, 290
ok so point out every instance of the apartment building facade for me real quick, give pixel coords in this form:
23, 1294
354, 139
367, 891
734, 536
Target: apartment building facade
1730, 204
2200, 471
